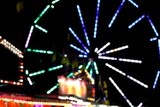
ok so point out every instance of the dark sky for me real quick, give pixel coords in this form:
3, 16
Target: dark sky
15, 26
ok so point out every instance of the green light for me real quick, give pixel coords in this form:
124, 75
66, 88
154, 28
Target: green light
43, 12
89, 63
55, 68
53, 88
29, 50
96, 68
49, 52
91, 72
70, 75
37, 73
42, 29
39, 51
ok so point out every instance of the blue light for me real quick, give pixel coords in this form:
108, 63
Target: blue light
82, 56
117, 12
135, 22
159, 46
153, 39
156, 79
78, 49
152, 25
74, 34
83, 25
96, 20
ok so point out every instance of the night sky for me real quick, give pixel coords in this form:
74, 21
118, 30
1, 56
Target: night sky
15, 26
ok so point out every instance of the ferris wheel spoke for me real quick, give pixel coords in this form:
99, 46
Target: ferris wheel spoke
134, 4
96, 19
120, 59
55, 68
159, 45
37, 73
96, 68
116, 14
115, 69
121, 92
128, 76
140, 104
29, 36
101, 49
79, 40
83, 25
82, 56
55, 1
41, 28
42, 13
156, 80
40, 51
83, 47
153, 27
114, 50
137, 81
136, 22
30, 81
78, 49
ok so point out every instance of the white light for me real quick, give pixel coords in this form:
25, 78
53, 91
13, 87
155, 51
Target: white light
29, 80
52, 6
124, 74
115, 50
107, 58
65, 55
152, 25
131, 1
11, 47
159, 45
130, 60
29, 36
101, 49
95, 50
140, 105
153, 39
115, 69
137, 81
120, 91
55, 1
135, 22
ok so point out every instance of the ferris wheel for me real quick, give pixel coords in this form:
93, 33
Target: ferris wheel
111, 39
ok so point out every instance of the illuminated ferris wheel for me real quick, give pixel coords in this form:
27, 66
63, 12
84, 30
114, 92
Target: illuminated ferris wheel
108, 38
